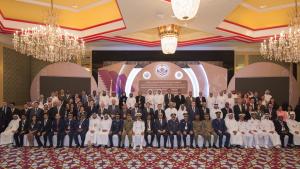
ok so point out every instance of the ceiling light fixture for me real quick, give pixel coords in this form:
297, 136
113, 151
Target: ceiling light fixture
168, 38
185, 9
49, 42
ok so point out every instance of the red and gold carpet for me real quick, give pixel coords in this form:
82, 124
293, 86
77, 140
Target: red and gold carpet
148, 158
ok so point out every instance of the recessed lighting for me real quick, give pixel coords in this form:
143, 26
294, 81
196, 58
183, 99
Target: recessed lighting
74, 6
262, 6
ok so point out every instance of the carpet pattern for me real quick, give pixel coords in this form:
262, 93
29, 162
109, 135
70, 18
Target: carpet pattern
147, 158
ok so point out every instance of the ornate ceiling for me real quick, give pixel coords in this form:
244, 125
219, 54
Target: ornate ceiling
136, 21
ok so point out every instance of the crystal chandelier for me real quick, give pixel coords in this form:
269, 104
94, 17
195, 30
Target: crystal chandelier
286, 46
49, 42
168, 38
185, 9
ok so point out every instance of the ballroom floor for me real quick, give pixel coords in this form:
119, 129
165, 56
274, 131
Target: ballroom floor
150, 158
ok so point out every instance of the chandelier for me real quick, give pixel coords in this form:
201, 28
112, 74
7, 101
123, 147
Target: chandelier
168, 38
185, 9
49, 42
286, 46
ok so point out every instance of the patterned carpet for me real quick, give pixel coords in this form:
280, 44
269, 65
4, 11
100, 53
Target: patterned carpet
148, 158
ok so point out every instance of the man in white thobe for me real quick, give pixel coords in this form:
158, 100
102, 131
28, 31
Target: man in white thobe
104, 98
181, 111
113, 97
130, 102
244, 129
294, 127
103, 131
268, 132
138, 131
254, 130
221, 99
150, 98
158, 99
233, 129
211, 100
230, 100
170, 110
212, 112
6, 137
91, 135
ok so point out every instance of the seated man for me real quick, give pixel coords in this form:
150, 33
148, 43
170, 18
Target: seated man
91, 135
22, 130
283, 130
268, 131
58, 128
294, 127
206, 131
161, 129
6, 137
127, 130
196, 129
33, 129
186, 128
254, 130
173, 129
116, 129
71, 128
149, 130
221, 130
138, 131
233, 129
244, 129
45, 130
103, 131
82, 128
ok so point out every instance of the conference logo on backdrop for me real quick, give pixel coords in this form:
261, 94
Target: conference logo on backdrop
162, 70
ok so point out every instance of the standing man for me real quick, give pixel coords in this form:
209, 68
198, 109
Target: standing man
226, 110
150, 98
171, 110
179, 99
221, 130
186, 128
161, 129
169, 97
189, 99
104, 98
159, 111
138, 131
193, 110
158, 99
130, 102
174, 129
199, 100
140, 100
5, 116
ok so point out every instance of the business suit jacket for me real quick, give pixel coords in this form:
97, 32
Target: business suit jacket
116, 126
23, 128
34, 127
152, 125
140, 100
225, 111
113, 109
272, 112
46, 126
161, 126
53, 110
38, 112
145, 113
184, 123
84, 125
278, 127
157, 112
219, 125
134, 111
192, 113
179, 101
199, 101
167, 100
71, 125
90, 110
58, 126
237, 111
5, 117
173, 126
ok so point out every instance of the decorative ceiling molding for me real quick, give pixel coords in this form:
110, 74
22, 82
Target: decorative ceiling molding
267, 9
62, 7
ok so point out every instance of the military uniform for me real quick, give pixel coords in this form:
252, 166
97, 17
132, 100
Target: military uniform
196, 130
127, 130
206, 131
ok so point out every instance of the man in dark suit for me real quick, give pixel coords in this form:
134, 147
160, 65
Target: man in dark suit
283, 130
270, 109
199, 100
82, 128
58, 107
102, 110
135, 110
58, 128
221, 130
158, 111
186, 128
189, 99
5, 116
204, 110
147, 111
140, 100
161, 127
238, 109
22, 130
149, 130
116, 129
26, 110
169, 97
92, 108
174, 129
38, 112
193, 111
179, 99
45, 130
113, 109
124, 111
13, 108
71, 129
226, 110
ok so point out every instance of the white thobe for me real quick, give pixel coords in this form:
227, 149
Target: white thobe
254, 125
221, 101
138, 129
113, 98
105, 100
130, 102
91, 135
210, 102
103, 132
6, 137
294, 126
244, 130
170, 111
150, 99
231, 102
180, 114
212, 113
158, 99
232, 125
269, 127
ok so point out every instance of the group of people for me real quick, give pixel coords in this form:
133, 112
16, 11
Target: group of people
244, 120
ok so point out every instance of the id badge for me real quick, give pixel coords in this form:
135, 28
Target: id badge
80, 126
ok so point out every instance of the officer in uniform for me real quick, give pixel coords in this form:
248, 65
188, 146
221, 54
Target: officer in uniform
196, 129
127, 130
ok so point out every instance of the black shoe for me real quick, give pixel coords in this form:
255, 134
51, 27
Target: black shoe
44, 146
158, 146
204, 147
77, 146
192, 146
99, 146
70, 146
214, 146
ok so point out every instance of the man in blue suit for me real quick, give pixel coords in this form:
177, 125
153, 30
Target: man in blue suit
82, 128
186, 128
58, 127
221, 130
161, 129
116, 129
71, 126
45, 129
173, 129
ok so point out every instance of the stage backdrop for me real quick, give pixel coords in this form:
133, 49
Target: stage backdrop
59, 75
202, 77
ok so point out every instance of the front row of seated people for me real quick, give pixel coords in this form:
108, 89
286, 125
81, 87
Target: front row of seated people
99, 131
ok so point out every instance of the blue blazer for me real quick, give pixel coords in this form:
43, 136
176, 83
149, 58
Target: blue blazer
219, 125
184, 123
60, 127
173, 125
160, 126
84, 125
